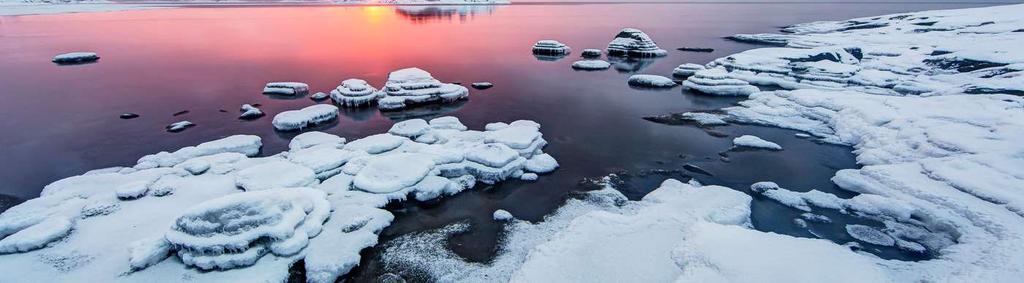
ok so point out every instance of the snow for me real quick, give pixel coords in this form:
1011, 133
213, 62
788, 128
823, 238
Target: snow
410, 128
591, 65
315, 138
250, 112
355, 93
652, 81
36, 236
76, 58
541, 163
447, 122
376, 143
393, 172
286, 88
502, 215
631, 42
274, 174
754, 142
551, 47
414, 86
869, 235
305, 117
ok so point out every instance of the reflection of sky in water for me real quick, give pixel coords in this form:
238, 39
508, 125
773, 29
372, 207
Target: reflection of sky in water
63, 121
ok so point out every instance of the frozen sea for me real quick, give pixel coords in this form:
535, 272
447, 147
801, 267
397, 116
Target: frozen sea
60, 121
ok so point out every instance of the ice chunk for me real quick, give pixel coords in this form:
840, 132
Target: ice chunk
410, 128
413, 86
179, 126
36, 236
529, 177
76, 58
305, 117
541, 163
653, 81
447, 122
393, 172
355, 93
502, 215
146, 252
286, 88
315, 138
632, 42
591, 65
550, 47
319, 96
211, 235
132, 190
869, 235
754, 142
761, 187
274, 174
248, 145
591, 53
492, 155
250, 112
686, 70
376, 143
717, 82
323, 160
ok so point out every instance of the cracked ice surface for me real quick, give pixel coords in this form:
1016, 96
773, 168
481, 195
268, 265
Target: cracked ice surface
226, 215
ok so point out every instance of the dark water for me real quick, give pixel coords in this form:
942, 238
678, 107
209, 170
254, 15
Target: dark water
59, 121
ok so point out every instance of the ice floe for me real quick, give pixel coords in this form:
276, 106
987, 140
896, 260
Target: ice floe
305, 117
686, 70
76, 58
631, 42
414, 86
652, 81
754, 142
225, 215
717, 82
286, 88
502, 215
179, 126
355, 93
591, 65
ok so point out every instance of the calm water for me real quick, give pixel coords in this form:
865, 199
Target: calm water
59, 121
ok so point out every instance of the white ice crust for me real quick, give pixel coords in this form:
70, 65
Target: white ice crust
224, 215
414, 86
305, 117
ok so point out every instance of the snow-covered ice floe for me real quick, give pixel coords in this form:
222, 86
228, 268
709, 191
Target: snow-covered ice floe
686, 70
414, 86
250, 112
754, 142
651, 81
286, 88
225, 215
551, 48
631, 42
591, 65
179, 126
931, 104
75, 57
305, 117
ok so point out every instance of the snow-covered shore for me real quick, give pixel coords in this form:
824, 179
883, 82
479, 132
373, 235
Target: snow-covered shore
929, 101
215, 212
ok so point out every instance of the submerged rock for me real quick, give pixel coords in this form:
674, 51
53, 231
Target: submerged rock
305, 117
76, 58
591, 65
355, 93
414, 86
651, 81
286, 88
129, 116
551, 47
632, 42
696, 49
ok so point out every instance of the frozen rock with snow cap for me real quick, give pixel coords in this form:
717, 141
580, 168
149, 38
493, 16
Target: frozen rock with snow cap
250, 112
754, 142
410, 128
355, 93
631, 42
286, 88
502, 215
76, 58
717, 82
274, 174
550, 47
315, 138
179, 126
591, 53
651, 81
305, 117
414, 86
686, 70
591, 65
